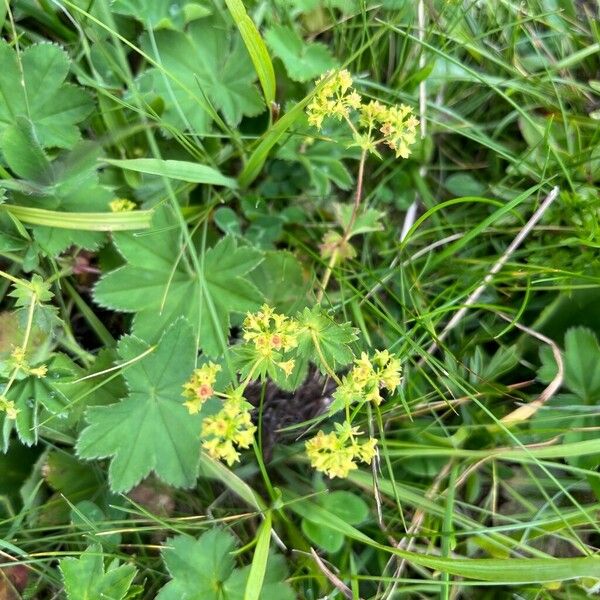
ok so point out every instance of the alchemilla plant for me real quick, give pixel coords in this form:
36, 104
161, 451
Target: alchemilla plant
275, 347
299, 299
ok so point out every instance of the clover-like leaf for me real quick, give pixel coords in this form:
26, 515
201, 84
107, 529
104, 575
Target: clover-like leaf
150, 430
40, 94
85, 577
302, 61
204, 569
209, 62
159, 285
582, 364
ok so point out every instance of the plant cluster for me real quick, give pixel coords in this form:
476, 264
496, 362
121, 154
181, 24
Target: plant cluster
277, 347
299, 298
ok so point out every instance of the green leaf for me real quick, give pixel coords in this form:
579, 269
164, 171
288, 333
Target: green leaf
322, 159
198, 567
281, 280
366, 222
464, 184
582, 364
41, 95
204, 62
302, 61
85, 577
175, 169
161, 13
69, 184
348, 506
150, 430
324, 339
256, 49
80, 221
227, 220
499, 571
256, 575
267, 141
204, 569
159, 285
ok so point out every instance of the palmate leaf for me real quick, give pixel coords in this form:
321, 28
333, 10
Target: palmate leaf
302, 61
150, 430
69, 183
160, 285
204, 569
41, 94
85, 577
203, 63
322, 339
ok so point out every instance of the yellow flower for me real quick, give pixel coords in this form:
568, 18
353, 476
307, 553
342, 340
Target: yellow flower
371, 113
8, 406
400, 129
40, 371
232, 426
334, 98
270, 332
287, 366
19, 361
18, 357
368, 377
337, 453
200, 386
122, 205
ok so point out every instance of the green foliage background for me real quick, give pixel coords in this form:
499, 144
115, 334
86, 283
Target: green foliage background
487, 481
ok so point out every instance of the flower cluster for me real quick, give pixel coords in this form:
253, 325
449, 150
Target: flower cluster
398, 126
272, 334
334, 97
395, 126
337, 453
368, 377
200, 387
8, 406
19, 362
271, 344
122, 205
232, 426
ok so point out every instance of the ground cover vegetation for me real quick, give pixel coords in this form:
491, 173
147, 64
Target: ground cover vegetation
299, 299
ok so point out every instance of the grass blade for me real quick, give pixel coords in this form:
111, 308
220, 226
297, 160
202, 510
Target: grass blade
259, 562
91, 221
175, 169
256, 48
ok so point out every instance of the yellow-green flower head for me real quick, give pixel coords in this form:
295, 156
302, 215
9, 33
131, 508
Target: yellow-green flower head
400, 129
122, 205
372, 113
334, 98
18, 360
368, 377
8, 406
231, 427
200, 386
270, 332
337, 453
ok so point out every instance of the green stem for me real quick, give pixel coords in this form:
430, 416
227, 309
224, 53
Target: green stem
347, 231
